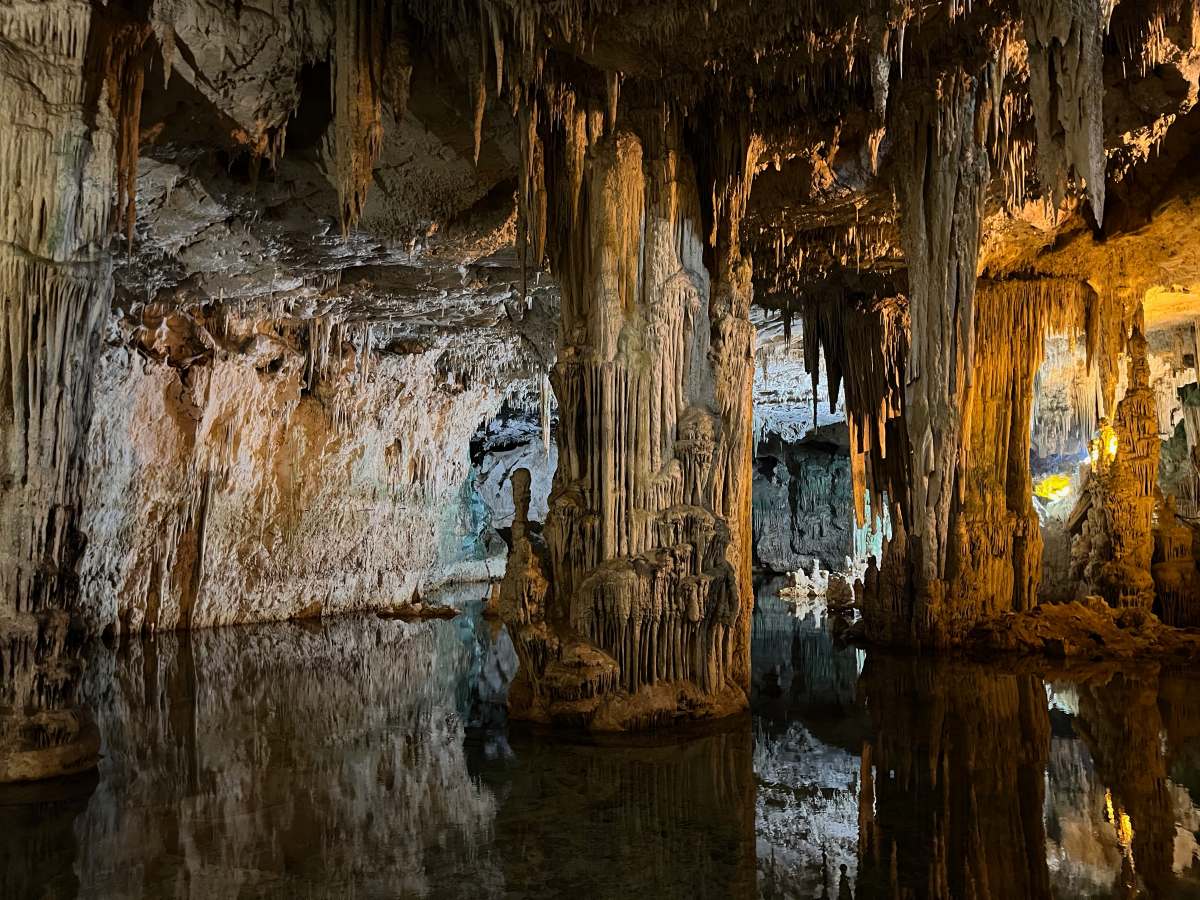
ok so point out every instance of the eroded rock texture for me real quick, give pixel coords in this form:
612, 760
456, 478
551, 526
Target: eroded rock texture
641, 596
269, 470
58, 168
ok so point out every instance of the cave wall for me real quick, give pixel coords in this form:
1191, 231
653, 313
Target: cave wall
282, 471
803, 498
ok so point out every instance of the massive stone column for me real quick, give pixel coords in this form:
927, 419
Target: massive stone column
57, 170
636, 609
941, 178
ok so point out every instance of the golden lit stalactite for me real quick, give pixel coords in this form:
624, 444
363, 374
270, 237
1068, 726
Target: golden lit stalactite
1176, 581
864, 342
995, 563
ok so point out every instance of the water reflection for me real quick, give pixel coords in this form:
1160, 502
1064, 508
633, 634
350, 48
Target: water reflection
371, 758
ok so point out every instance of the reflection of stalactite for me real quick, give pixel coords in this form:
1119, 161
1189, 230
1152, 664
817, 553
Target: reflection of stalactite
953, 783
207, 733
38, 847
648, 533
1120, 723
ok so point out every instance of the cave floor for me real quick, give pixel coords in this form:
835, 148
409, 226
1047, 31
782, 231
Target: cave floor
371, 758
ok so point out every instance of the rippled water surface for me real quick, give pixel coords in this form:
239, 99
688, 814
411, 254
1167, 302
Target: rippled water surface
371, 758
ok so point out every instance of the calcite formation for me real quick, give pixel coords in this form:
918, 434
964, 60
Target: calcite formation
1116, 545
58, 169
640, 611
257, 470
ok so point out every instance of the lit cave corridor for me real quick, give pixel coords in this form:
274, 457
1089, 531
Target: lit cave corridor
600, 449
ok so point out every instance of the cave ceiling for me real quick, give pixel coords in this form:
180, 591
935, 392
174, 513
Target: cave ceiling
237, 196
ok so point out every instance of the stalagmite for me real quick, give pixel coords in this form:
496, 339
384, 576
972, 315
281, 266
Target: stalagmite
644, 614
1113, 553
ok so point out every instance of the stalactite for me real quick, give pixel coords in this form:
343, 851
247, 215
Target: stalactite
1176, 581
1066, 85
865, 344
55, 277
995, 564
357, 89
126, 57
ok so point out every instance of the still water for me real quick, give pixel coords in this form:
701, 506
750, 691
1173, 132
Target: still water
370, 758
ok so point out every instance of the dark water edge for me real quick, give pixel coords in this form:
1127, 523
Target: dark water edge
360, 757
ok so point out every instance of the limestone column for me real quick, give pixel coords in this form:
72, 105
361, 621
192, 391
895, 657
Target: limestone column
57, 171
942, 174
646, 615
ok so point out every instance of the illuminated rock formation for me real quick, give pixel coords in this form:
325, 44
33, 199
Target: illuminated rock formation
646, 612
997, 561
258, 470
1113, 553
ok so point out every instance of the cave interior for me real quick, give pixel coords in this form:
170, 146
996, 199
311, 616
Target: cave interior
833, 367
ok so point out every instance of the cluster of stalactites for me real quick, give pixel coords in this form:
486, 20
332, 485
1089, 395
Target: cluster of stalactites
996, 555
369, 64
865, 345
1066, 85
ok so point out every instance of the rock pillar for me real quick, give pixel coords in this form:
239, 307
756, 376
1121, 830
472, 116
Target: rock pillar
636, 610
57, 167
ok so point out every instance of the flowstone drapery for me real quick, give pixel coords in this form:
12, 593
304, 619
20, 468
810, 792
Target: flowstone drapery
66, 73
637, 609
